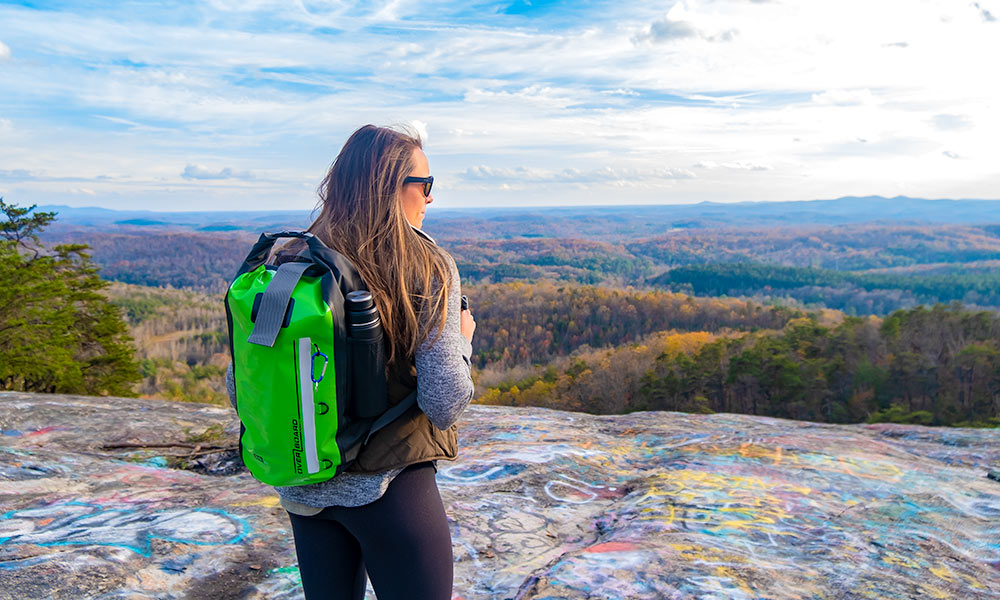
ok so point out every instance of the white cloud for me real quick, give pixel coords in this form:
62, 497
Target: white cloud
389, 11
541, 96
459, 132
947, 122
421, 129
620, 92
676, 26
889, 145
4, 51
17, 175
668, 29
844, 97
606, 174
486, 173
736, 166
204, 173
986, 15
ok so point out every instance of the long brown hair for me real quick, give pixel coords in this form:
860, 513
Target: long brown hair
361, 217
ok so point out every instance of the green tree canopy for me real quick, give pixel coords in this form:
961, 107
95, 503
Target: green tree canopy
58, 333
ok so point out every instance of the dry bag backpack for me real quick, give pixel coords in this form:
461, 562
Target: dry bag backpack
308, 363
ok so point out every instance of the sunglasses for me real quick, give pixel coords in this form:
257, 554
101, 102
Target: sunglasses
427, 181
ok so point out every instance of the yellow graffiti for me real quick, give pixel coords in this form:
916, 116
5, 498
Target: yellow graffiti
864, 468
690, 479
655, 514
753, 519
972, 581
756, 511
870, 469
936, 592
268, 501
892, 558
943, 572
694, 552
748, 450
733, 576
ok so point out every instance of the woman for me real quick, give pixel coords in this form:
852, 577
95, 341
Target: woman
384, 515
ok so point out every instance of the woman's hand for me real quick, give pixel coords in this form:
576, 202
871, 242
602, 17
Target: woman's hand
468, 324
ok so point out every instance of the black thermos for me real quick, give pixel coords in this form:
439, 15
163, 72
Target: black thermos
367, 358
362, 316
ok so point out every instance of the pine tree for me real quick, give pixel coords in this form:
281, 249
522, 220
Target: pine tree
58, 333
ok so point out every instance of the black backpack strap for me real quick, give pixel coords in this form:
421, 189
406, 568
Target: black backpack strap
390, 415
274, 303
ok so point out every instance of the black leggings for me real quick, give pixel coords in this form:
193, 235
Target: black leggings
402, 540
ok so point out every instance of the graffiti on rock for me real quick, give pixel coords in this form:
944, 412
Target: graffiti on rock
79, 523
541, 505
733, 507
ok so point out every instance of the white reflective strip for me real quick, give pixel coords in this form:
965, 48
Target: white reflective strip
308, 409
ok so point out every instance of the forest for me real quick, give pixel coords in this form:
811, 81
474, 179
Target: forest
933, 366
853, 292
937, 365
839, 323
930, 366
530, 323
860, 269
181, 340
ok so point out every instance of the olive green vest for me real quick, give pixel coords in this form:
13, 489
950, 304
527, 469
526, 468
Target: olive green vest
411, 438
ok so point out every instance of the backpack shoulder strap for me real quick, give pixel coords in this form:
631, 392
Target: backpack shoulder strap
387, 417
390, 415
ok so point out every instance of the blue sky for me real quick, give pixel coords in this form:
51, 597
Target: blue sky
232, 104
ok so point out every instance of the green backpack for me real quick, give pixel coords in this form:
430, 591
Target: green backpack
308, 363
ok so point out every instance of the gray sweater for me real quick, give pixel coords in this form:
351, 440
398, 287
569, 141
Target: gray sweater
444, 389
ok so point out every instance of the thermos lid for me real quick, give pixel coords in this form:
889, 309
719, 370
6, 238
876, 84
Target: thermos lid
359, 300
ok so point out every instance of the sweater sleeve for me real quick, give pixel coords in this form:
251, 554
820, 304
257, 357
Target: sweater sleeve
444, 380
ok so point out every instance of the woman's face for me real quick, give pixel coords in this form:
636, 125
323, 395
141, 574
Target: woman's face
412, 196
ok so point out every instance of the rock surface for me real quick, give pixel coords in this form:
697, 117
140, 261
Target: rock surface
543, 505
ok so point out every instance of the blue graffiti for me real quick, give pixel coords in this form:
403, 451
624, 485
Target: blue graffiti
79, 523
480, 472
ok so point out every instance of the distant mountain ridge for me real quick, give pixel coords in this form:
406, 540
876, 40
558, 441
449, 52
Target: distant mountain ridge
588, 222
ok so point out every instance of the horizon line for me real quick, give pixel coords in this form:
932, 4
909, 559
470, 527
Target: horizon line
532, 206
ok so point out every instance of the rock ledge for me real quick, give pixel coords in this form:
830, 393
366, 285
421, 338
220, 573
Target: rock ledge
543, 504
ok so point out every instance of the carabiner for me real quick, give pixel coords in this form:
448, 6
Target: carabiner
312, 365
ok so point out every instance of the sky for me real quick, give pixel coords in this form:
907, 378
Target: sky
243, 104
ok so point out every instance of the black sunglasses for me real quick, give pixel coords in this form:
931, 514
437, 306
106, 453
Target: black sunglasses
427, 181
